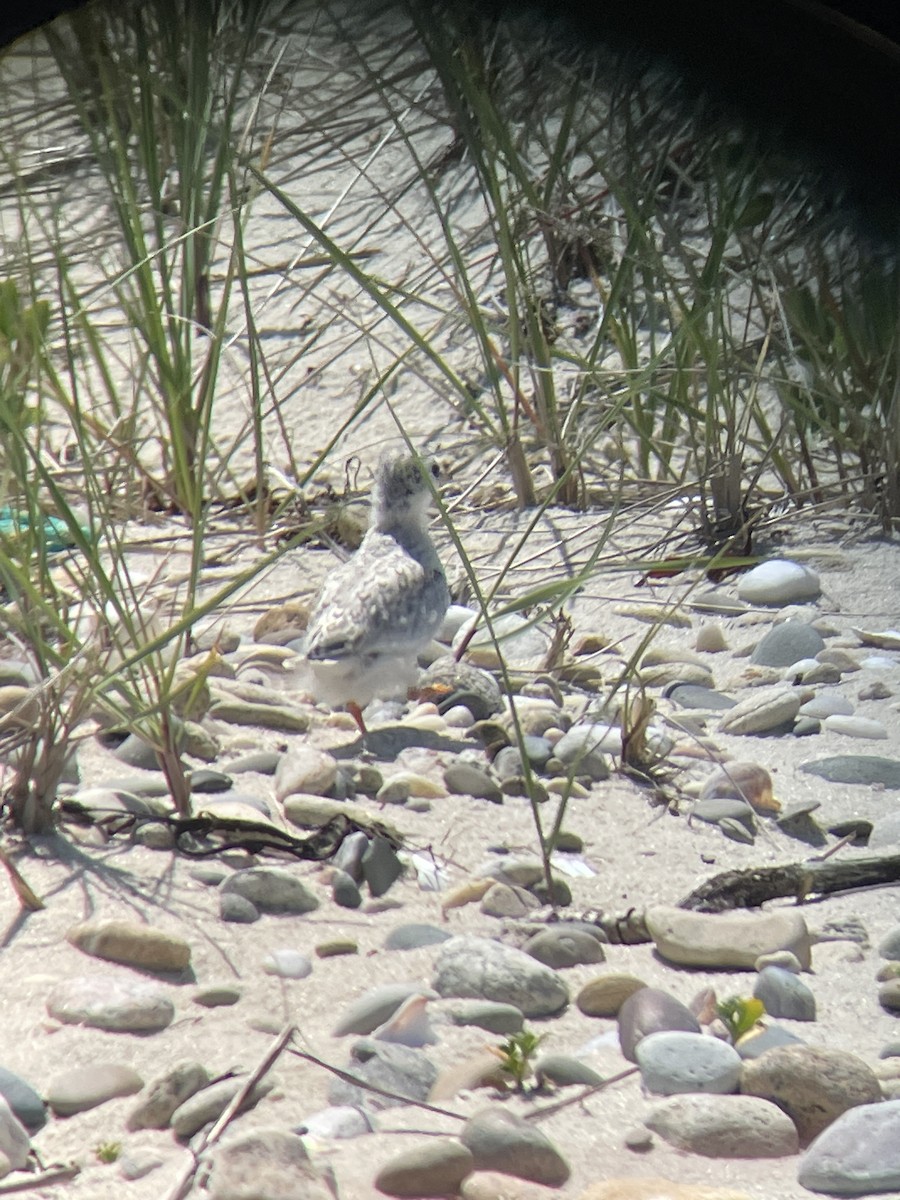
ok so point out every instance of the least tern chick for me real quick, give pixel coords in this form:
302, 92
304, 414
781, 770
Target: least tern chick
378, 609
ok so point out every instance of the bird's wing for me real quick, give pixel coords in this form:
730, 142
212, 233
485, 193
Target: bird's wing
371, 603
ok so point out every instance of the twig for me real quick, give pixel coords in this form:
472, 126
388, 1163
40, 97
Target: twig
549, 1109
185, 1183
52, 1175
27, 898
371, 1087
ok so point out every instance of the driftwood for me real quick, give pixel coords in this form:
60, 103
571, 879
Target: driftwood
751, 888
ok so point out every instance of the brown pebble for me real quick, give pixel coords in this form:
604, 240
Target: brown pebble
604, 995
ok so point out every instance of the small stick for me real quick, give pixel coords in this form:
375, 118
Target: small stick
55, 1174
549, 1109
371, 1087
185, 1183
27, 898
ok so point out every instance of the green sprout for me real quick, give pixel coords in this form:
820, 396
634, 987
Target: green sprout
108, 1152
516, 1056
740, 1014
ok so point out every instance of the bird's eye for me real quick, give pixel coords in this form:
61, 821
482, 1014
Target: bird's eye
435, 471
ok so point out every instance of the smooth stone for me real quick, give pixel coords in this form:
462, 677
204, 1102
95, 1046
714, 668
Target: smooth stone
130, 943
403, 1070
24, 1101
271, 890
414, 935
501, 1141
813, 1085
264, 1164
217, 995
349, 854
857, 768
135, 1164
336, 947
827, 704
341, 1121
889, 946
860, 727
234, 710
207, 781
507, 764
711, 638
478, 968
786, 644
345, 890
673, 1062
310, 812
107, 1002
857, 1155
288, 964
208, 1103
237, 909
655, 1188
737, 831
305, 769
492, 1015
15, 1145
764, 710
779, 958
517, 872
876, 690
381, 865
651, 1010
466, 779
374, 1007
889, 995
559, 947
605, 995
562, 1070
81, 1088
585, 747
724, 808
136, 752
724, 1126
436, 1168
784, 994
778, 582
165, 1093
729, 939
695, 696
258, 762
757, 1041
134, 798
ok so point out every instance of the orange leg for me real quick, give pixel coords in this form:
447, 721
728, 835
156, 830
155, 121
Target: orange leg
356, 713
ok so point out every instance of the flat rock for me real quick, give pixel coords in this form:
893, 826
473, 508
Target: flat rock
133, 944
491, 1015
563, 1070
436, 1168
81, 1088
784, 994
501, 1141
374, 1007
478, 968
778, 582
853, 726
264, 1164
271, 890
857, 768
651, 1010
415, 935
108, 1002
857, 1155
724, 1126
729, 939
763, 710
166, 1093
813, 1085
673, 1062
787, 644
559, 947
210, 1102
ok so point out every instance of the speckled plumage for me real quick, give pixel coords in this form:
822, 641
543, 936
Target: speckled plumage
378, 609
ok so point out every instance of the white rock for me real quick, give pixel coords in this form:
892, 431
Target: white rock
778, 582
729, 939
860, 727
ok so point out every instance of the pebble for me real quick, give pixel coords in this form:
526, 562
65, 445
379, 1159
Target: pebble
562, 1070
561, 947
729, 939
265, 1164
673, 1062
210, 1102
779, 958
813, 1085
381, 865
694, 696
764, 710
715, 810
482, 1069
271, 890
711, 638
651, 1010
478, 968
374, 1007
415, 935
724, 1126
604, 995
826, 704
762, 1038
233, 710
857, 768
82, 1088
466, 779
287, 964
135, 751
889, 946
15, 1145
341, 1121
165, 1093
877, 690
889, 995
237, 909
217, 995
778, 582
436, 1168
501, 1141
584, 748
305, 769
130, 943
784, 994
24, 1101
404, 1070
108, 1002
860, 727
788, 643
858, 1154
492, 1015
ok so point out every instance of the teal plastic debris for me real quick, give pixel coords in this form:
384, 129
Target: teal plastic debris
56, 532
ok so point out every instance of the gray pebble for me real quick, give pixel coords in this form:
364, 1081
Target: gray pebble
724, 1126
857, 768
585, 748
404, 1070
758, 1041
267, 1164
136, 752
83, 1088
858, 1155
784, 994
562, 1070
109, 1002
501, 1141
210, 1102
237, 909
345, 891
259, 762
380, 865
786, 644
492, 1015
466, 779
165, 1093
23, 1100
650, 1010
414, 935
478, 968
889, 946
350, 853
374, 1007
217, 995
826, 704
435, 1168
858, 727
561, 946
677, 1061
207, 781
271, 890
